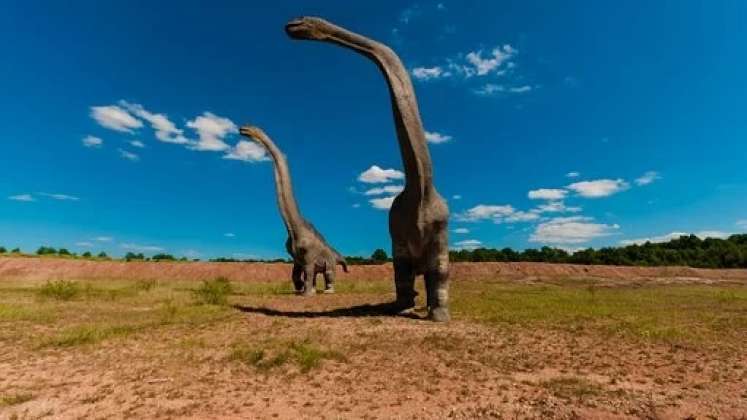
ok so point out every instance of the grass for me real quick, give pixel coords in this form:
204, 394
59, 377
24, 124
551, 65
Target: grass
214, 292
568, 388
87, 334
659, 313
305, 354
60, 290
7, 400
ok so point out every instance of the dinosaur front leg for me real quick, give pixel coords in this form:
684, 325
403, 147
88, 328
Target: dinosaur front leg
404, 279
298, 282
310, 280
329, 280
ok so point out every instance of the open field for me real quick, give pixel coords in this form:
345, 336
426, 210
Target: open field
520, 346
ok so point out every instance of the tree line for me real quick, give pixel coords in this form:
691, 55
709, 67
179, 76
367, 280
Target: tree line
684, 251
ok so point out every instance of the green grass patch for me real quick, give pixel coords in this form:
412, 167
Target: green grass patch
7, 400
88, 334
214, 292
13, 312
304, 354
60, 290
569, 388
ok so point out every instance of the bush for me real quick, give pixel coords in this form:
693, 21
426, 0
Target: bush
3, 250
379, 256
102, 255
60, 290
163, 257
46, 250
214, 292
16, 251
63, 251
132, 256
86, 255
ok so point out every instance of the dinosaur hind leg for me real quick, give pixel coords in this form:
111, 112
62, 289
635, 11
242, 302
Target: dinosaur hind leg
437, 283
310, 280
329, 280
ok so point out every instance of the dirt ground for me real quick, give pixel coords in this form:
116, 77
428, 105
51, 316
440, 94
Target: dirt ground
553, 348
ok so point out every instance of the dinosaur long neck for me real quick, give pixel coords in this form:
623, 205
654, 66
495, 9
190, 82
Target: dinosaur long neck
412, 143
286, 199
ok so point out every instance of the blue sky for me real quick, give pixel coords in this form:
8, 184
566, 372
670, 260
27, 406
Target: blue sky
552, 123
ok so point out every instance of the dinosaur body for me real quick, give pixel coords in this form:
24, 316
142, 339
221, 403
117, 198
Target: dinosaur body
419, 216
310, 252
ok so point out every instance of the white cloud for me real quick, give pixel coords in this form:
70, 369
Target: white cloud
165, 130
137, 143
384, 203
211, 131
356, 206
229, 235
468, 244
556, 207
247, 151
648, 178
456, 197
573, 174
742, 224
547, 194
103, 239
84, 244
428, 73
128, 155
92, 142
484, 66
486, 212
22, 197
377, 175
115, 118
520, 89
461, 230
675, 235
490, 89
522, 216
61, 197
599, 188
141, 248
388, 189
570, 230
437, 138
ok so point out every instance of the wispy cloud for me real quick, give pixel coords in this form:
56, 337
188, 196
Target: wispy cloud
571, 230
388, 189
115, 118
456, 197
675, 235
103, 239
573, 174
384, 203
137, 143
92, 142
22, 197
378, 175
556, 207
468, 244
247, 151
437, 138
599, 188
61, 197
478, 63
166, 131
429, 73
461, 231
547, 194
742, 224
648, 178
141, 248
486, 212
124, 154
211, 131
229, 235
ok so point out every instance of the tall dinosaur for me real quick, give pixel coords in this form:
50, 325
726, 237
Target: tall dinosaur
311, 253
419, 216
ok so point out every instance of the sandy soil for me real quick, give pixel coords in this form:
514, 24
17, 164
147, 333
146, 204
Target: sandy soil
33, 268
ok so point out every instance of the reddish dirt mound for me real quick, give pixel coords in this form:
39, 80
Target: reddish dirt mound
32, 268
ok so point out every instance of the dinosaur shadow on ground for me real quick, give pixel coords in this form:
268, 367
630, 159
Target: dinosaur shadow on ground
358, 311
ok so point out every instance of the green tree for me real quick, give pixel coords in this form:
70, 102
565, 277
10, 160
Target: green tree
379, 256
63, 251
16, 251
102, 254
3, 250
86, 255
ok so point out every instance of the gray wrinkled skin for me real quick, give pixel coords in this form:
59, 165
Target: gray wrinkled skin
310, 252
419, 216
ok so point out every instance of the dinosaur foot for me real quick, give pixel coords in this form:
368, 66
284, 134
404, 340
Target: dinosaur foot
439, 314
329, 291
308, 293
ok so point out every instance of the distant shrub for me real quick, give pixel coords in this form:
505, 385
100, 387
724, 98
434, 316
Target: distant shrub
130, 256
63, 251
60, 290
46, 250
16, 251
163, 257
379, 256
3, 250
86, 255
102, 255
214, 292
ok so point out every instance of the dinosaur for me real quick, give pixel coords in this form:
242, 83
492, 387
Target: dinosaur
418, 218
310, 252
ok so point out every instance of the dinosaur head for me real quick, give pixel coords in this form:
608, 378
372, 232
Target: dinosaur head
312, 28
250, 131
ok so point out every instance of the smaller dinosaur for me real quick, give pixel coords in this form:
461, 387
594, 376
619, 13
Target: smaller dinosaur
310, 252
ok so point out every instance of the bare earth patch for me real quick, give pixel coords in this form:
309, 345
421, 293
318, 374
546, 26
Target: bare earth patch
122, 349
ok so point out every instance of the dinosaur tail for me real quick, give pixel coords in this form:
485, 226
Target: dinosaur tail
343, 263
